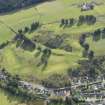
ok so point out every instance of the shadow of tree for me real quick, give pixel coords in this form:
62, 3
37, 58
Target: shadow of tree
44, 58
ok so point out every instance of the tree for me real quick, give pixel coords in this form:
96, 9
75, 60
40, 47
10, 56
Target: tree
66, 22
47, 52
82, 39
97, 35
81, 20
92, 7
86, 46
26, 29
92, 72
62, 22
93, 20
91, 55
44, 58
71, 21
90, 19
34, 26
103, 33
39, 51
20, 31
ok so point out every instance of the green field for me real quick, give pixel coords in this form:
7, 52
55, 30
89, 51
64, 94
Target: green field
19, 61
23, 62
50, 11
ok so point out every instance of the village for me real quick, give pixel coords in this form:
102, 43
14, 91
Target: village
90, 93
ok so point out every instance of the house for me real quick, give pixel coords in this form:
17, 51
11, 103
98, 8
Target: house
87, 6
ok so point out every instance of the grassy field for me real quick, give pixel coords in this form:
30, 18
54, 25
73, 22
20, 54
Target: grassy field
18, 61
6, 100
47, 12
23, 62
97, 46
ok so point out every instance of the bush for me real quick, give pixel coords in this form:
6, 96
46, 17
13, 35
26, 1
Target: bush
34, 26
26, 29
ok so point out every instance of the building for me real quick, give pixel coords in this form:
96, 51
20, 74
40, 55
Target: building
87, 6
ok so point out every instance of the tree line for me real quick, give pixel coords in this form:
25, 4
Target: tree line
98, 34
25, 43
11, 5
11, 83
34, 26
86, 48
3, 45
67, 22
56, 81
88, 19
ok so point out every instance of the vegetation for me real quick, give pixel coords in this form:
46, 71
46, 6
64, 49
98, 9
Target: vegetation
8, 99
28, 56
56, 81
49, 42
10, 5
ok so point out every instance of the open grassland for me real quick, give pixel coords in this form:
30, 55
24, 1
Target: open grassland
18, 61
22, 62
97, 46
49, 12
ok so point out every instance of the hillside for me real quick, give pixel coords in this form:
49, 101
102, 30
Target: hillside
11, 5
48, 12
37, 43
